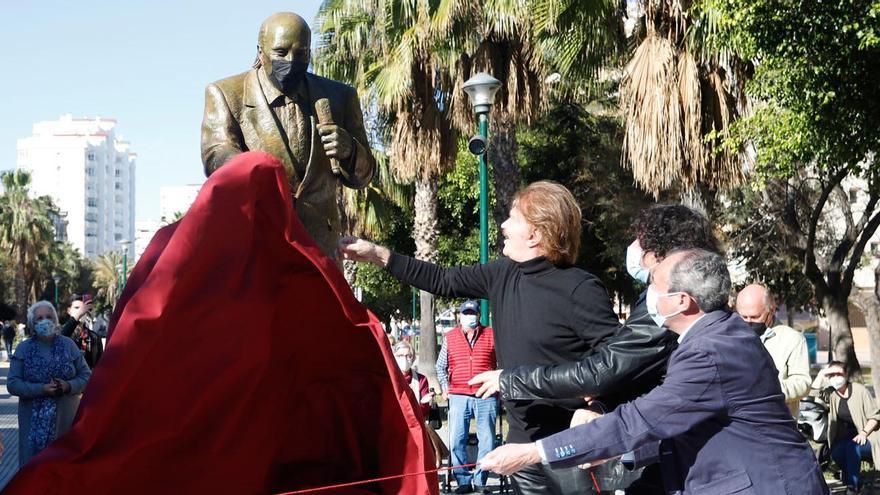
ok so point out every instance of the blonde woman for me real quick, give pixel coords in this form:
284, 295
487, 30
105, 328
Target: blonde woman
546, 310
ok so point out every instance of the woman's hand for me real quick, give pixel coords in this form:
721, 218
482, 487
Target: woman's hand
50, 389
357, 249
63, 385
861, 438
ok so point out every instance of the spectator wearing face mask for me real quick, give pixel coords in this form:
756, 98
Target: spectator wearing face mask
47, 374
469, 349
786, 346
853, 419
405, 357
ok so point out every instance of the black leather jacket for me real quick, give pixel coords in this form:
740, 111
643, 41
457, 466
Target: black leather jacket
626, 365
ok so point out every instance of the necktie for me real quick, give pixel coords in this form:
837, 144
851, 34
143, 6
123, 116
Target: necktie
299, 133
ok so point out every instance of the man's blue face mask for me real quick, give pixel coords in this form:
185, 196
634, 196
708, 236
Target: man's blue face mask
469, 321
651, 302
634, 255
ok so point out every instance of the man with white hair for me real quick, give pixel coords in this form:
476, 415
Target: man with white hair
786, 346
719, 416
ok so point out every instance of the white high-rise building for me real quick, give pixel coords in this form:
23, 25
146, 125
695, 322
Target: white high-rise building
144, 230
89, 171
174, 200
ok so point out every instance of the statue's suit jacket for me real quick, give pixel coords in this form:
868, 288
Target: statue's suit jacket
238, 119
720, 416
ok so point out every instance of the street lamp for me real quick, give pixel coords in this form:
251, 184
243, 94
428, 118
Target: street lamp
481, 89
56, 279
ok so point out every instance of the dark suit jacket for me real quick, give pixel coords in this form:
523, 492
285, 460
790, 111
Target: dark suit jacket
721, 417
238, 119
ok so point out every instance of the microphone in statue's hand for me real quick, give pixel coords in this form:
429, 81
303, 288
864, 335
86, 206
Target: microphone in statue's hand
325, 117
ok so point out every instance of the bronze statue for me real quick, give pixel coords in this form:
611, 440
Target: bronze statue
312, 124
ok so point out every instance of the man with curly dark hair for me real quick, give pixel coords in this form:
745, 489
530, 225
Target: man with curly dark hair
661, 229
631, 362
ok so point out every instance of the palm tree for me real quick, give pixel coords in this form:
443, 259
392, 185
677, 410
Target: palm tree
26, 233
385, 49
679, 96
523, 43
107, 269
409, 60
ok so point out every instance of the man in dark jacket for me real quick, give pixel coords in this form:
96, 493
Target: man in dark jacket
631, 362
79, 328
720, 414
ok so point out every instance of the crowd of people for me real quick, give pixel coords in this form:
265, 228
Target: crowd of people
691, 395
701, 398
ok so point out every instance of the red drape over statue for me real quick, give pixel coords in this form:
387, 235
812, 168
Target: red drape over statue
239, 363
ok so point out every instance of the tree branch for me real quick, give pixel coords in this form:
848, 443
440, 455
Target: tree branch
859, 249
811, 270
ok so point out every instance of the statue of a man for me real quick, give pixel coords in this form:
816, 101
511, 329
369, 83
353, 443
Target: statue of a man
272, 108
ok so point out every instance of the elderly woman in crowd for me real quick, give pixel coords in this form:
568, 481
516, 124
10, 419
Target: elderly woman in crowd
418, 383
853, 420
47, 373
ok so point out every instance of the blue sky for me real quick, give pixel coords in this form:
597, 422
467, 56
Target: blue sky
145, 63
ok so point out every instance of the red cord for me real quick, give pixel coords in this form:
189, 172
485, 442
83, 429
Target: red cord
374, 480
595, 482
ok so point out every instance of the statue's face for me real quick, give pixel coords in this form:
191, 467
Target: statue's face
285, 41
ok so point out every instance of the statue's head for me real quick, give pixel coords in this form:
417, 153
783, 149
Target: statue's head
283, 49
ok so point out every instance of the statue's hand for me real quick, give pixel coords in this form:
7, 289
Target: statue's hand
336, 140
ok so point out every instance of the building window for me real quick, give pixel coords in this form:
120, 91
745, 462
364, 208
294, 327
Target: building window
90, 171
92, 201
853, 196
91, 156
118, 173
118, 186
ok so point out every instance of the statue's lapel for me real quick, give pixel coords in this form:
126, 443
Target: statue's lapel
265, 125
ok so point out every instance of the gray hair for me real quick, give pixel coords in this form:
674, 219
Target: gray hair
703, 275
33, 309
403, 345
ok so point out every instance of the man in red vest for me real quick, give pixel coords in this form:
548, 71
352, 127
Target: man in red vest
468, 350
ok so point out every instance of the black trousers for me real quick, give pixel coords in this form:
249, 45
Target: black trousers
649, 483
539, 479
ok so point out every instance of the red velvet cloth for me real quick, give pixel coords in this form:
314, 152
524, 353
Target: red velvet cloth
240, 363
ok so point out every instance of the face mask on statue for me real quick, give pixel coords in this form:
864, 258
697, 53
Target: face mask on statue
286, 75
44, 328
469, 321
634, 264
403, 363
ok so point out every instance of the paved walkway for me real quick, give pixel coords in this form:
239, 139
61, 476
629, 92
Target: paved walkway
8, 428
